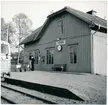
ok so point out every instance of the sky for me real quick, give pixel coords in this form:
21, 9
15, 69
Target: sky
38, 11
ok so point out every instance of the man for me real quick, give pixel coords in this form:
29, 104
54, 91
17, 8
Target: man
32, 63
30, 60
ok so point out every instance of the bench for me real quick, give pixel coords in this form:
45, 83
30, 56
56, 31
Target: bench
59, 67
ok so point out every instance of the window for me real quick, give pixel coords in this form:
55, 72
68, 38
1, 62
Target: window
36, 56
49, 56
73, 54
60, 26
4, 49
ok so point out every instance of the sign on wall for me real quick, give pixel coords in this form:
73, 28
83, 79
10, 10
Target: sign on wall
61, 42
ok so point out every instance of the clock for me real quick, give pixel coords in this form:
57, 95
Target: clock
59, 48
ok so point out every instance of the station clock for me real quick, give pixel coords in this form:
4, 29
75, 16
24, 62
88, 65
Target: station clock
59, 48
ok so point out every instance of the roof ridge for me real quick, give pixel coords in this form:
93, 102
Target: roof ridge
85, 13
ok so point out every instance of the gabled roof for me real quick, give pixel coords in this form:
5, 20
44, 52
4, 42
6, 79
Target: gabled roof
90, 19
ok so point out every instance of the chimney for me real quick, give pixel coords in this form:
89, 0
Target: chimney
92, 12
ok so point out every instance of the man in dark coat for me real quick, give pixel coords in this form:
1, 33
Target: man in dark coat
32, 63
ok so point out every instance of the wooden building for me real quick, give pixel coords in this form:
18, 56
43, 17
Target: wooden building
72, 38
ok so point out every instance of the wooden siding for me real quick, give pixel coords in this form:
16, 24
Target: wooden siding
100, 53
75, 31
83, 55
73, 27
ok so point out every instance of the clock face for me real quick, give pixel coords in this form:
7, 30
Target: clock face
59, 48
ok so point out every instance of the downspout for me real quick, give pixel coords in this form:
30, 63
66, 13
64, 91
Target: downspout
92, 44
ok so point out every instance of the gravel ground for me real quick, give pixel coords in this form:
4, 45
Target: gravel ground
18, 97
4, 101
90, 87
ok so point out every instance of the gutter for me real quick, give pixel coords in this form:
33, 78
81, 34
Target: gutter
97, 29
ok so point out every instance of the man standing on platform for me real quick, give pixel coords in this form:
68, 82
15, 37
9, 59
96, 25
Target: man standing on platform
32, 63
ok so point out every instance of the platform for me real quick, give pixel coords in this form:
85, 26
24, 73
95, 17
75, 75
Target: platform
87, 86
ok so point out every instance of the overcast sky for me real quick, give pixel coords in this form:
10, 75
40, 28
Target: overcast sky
38, 11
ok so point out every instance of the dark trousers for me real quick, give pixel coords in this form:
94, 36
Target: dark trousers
32, 65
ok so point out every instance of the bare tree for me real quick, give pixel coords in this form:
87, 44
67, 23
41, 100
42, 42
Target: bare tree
3, 30
7, 31
23, 28
23, 25
10, 31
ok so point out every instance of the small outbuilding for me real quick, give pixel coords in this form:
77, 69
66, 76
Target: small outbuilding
69, 40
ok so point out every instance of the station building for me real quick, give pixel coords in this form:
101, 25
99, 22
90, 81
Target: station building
70, 37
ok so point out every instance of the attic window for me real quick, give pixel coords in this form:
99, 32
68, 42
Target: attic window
60, 26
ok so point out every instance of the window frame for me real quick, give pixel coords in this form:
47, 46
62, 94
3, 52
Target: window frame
49, 56
73, 54
37, 52
60, 26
